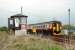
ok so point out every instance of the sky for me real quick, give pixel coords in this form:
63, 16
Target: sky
38, 10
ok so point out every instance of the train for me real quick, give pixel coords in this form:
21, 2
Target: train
45, 28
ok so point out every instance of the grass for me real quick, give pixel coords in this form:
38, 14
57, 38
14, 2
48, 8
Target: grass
35, 46
27, 43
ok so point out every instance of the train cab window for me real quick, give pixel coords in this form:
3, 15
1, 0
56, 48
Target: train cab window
60, 26
54, 24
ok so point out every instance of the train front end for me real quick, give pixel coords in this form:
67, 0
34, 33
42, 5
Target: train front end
56, 27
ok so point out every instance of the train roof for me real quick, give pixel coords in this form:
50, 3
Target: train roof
46, 22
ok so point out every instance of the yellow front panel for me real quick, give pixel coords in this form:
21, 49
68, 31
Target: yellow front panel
57, 27
53, 28
60, 27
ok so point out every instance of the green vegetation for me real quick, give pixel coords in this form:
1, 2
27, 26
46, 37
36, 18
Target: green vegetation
4, 28
69, 26
36, 44
9, 42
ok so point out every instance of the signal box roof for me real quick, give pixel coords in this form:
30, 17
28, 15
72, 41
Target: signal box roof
18, 15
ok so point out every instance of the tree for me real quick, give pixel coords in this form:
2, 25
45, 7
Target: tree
4, 28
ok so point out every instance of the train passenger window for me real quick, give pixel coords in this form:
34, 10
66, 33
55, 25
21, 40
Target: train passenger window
36, 26
43, 26
50, 26
39, 26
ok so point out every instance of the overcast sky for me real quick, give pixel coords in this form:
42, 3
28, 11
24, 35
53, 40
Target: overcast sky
38, 10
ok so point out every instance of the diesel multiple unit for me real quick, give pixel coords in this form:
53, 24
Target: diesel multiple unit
46, 28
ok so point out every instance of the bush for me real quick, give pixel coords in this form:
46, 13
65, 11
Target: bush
69, 27
3, 28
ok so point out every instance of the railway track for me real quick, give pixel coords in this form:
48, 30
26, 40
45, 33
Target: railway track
64, 39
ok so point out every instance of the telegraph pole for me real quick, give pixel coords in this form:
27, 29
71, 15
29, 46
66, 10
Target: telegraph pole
21, 10
69, 19
69, 29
